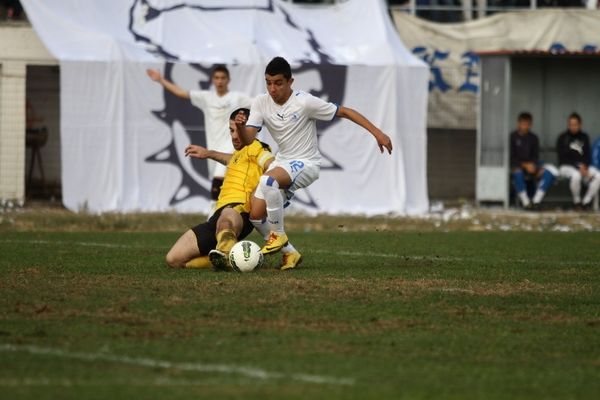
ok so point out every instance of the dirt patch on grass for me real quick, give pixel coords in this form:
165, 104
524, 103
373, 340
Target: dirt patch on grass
180, 308
536, 313
425, 286
276, 289
41, 218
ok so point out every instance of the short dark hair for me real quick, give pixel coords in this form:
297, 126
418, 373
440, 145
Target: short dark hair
220, 68
575, 116
525, 116
243, 110
279, 65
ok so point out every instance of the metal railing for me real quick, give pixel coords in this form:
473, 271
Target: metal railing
466, 10
316, 2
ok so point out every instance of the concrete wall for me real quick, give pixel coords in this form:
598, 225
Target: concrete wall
12, 131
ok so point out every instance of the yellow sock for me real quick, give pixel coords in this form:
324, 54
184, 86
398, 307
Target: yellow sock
225, 240
199, 262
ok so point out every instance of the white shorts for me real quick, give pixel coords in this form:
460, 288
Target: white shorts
569, 171
301, 172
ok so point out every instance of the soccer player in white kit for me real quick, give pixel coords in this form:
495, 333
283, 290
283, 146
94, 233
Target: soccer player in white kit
216, 104
290, 116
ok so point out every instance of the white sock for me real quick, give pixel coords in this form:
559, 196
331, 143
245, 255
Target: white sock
288, 248
524, 199
274, 200
575, 186
592, 189
261, 227
539, 195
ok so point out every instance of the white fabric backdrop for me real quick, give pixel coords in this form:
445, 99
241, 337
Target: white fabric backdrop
448, 48
123, 136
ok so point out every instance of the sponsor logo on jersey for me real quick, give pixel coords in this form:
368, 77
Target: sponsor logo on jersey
576, 145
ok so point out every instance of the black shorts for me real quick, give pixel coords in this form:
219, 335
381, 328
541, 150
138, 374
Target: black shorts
206, 232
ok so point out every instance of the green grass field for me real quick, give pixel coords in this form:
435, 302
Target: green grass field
369, 315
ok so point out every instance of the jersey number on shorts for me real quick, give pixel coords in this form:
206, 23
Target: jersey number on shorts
296, 165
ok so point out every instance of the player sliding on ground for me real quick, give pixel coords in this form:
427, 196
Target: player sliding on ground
290, 116
209, 243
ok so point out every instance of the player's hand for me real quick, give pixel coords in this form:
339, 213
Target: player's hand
240, 119
583, 169
530, 167
153, 74
384, 141
196, 151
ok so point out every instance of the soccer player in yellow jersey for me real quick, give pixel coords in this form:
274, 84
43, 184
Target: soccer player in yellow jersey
210, 242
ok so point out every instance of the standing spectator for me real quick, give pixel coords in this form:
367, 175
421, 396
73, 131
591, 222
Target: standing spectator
525, 164
574, 156
216, 105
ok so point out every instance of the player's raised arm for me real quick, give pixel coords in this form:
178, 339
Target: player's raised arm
170, 86
383, 140
247, 133
202, 153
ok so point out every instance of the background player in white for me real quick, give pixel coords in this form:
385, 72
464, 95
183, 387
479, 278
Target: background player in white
290, 116
216, 105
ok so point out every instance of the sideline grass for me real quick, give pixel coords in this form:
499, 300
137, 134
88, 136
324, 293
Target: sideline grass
368, 315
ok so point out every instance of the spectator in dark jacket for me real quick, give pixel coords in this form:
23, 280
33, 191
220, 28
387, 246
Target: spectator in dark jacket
525, 163
596, 154
574, 156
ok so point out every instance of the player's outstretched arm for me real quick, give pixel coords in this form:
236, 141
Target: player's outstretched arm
247, 133
383, 140
202, 153
170, 86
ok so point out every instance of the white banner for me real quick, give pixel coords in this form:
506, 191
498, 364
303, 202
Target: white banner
123, 135
450, 50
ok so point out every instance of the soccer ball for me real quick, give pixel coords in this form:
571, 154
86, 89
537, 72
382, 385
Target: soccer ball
245, 256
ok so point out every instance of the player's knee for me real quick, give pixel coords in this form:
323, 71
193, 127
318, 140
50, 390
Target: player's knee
227, 218
170, 261
268, 182
173, 261
548, 177
551, 169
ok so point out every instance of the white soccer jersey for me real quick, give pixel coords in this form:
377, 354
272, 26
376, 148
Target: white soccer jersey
292, 125
216, 121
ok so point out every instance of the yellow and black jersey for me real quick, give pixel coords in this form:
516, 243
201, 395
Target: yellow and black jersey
243, 172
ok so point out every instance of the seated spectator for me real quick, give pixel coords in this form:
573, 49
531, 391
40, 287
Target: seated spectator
561, 3
596, 154
574, 156
525, 164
